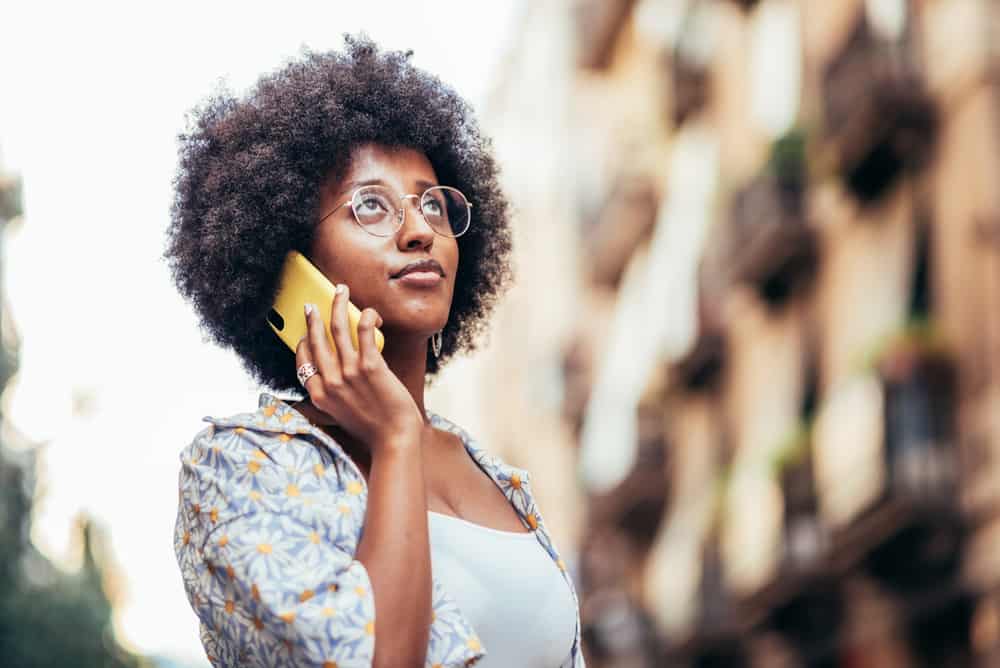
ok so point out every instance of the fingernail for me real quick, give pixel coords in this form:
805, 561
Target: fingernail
340, 288
309, 309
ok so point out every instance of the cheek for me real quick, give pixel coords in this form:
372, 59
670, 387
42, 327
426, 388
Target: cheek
366, 278
455, 262
344, 255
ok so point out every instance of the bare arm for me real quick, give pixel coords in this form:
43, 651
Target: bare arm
394, 549
368, 401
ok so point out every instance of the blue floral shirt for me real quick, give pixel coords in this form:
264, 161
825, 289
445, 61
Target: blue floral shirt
266, 532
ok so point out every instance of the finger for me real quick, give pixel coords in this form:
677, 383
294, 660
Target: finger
340, 328
370, 356
319, 347
302, 356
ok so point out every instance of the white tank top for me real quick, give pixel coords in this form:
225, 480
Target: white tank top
510, 590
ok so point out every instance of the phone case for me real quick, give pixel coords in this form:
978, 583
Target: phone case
301, 281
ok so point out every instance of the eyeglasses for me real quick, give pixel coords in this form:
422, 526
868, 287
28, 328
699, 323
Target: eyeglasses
444, 208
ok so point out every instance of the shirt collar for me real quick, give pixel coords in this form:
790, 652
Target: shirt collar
274, 415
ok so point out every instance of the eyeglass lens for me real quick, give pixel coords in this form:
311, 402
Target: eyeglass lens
445, 209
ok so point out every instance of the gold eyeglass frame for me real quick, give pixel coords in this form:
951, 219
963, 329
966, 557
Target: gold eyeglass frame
401, 217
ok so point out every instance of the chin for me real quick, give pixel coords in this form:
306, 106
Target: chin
414, 324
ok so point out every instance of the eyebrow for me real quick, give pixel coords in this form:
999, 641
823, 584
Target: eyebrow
351, 185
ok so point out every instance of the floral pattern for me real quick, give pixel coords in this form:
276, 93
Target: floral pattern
266, 531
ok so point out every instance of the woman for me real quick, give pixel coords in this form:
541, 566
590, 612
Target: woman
349, 525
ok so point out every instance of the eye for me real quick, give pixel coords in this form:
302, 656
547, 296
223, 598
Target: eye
432, 207
372, 204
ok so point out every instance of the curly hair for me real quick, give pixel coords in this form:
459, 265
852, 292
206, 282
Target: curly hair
248, 184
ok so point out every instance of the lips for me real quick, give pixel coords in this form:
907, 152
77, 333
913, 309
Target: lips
421, 266
420, 279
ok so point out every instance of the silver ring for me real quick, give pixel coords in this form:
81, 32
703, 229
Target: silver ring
305, 372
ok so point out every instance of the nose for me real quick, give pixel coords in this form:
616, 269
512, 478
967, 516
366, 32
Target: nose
415, 232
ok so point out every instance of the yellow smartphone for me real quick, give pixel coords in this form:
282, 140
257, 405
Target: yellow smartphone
301, 282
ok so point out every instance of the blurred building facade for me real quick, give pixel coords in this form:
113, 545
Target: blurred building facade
759, 274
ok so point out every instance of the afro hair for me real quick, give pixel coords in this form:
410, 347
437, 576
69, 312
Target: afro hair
248, 184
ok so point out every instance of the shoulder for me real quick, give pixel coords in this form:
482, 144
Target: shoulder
274, 424
267, 449
224, 445
512, 480
260, 463
502, 472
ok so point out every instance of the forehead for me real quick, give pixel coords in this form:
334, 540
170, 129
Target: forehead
401, 166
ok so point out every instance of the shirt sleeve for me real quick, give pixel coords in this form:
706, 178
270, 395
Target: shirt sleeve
270, 575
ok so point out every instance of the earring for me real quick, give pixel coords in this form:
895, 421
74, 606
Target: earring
436, 343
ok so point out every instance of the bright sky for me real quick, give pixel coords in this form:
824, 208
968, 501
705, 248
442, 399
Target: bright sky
93, 96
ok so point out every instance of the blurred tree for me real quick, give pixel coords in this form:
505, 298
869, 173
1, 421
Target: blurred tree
47, 618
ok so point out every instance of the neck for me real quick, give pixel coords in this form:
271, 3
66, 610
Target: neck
407, 358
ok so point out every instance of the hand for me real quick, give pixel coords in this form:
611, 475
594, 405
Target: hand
356, 387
